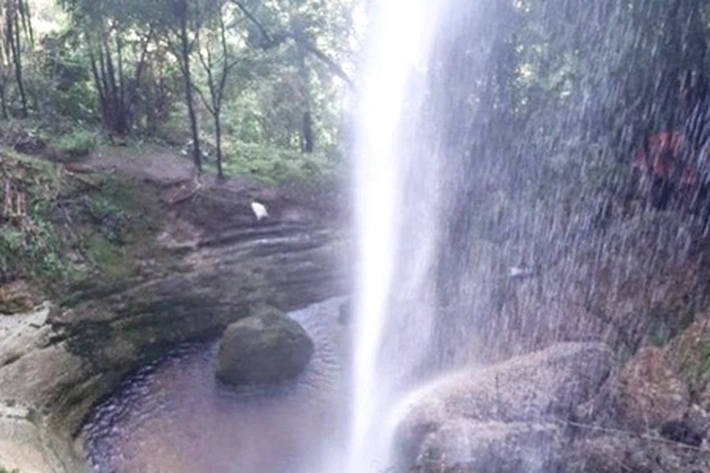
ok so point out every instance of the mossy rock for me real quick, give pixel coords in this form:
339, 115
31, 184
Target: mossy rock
265, 348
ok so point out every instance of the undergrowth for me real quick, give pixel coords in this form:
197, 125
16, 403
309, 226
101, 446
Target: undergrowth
59, 228
30, 244
77, 143
275, 165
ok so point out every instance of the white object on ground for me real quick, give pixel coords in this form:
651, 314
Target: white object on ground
259, 210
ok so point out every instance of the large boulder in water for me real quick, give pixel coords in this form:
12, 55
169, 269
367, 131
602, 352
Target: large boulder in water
268, 347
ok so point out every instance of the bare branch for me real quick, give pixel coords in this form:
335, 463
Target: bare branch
332, 65
254, 20
303, 42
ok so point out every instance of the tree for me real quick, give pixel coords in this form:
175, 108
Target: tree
186, 24
291, 33
218, 61
17, 36
279, 63
181, 22
118, 35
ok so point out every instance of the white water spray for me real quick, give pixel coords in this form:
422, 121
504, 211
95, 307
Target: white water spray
397, 55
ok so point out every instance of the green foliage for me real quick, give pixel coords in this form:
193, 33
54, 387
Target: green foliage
65, 77
30, 243
72, 228
270, 64
77, 144
105, 214
33, 249
272, 164
110, 259
705, 360
5, 470
113, 221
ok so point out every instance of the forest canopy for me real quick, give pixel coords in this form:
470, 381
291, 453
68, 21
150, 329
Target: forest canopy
219, 78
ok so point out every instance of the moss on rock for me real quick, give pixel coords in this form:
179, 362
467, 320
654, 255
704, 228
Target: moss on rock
267, 347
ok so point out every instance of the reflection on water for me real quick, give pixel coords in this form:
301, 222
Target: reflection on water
174, 417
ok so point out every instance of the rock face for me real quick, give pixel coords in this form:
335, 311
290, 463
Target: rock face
213, 264
649, 392
509, 417
268, 347
639, 283
605, 453
558, 409
639, 286
16, 297
652, 416
28, 363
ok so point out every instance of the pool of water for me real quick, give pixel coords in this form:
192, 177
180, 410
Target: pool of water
173, 416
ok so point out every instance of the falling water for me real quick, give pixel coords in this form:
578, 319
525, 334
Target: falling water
494, 174
394, 255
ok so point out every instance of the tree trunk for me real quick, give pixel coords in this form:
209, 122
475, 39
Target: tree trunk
124, 119
116, 113
307, 141
111, 84
13, 36
3, 101
307, 137
218, 141
3, 85
187, 76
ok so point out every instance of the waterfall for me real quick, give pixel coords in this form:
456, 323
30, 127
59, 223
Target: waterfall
396, 197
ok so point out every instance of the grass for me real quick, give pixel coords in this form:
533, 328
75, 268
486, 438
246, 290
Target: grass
274, 165
78, 143
116, 218
111, 259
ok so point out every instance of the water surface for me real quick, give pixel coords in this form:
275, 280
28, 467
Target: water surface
174, 416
